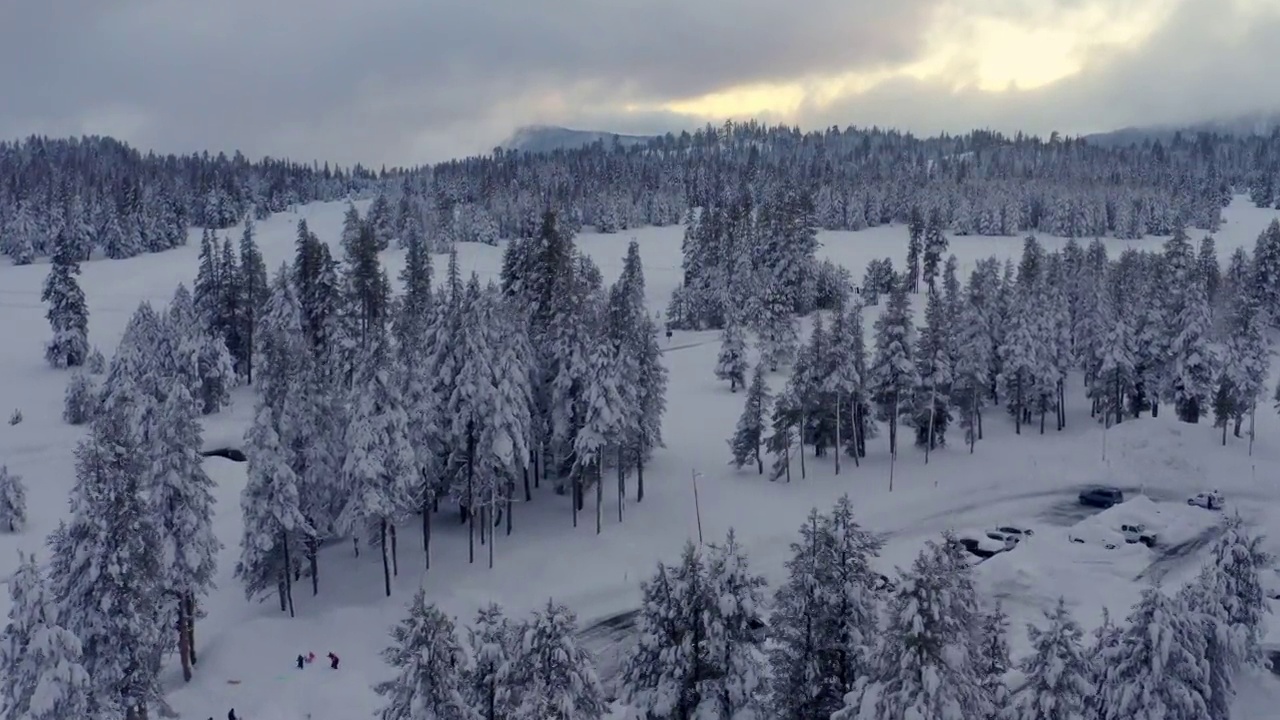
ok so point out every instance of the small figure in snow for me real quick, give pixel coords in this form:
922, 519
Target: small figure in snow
333, 663
231, 715
311, 657
302, 661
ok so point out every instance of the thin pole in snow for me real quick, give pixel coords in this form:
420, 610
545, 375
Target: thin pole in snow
933, 404
893, 452
697, 508
1106, 425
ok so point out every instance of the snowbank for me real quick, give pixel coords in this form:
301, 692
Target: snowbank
1174, 523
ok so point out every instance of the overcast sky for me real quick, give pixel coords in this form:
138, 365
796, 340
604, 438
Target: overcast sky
412, 81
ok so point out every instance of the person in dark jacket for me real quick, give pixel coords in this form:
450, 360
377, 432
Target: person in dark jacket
333, 663
231, 715
302, 661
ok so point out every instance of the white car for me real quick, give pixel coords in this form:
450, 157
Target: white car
984, 544
1017, 532
1211, 500
1138, 534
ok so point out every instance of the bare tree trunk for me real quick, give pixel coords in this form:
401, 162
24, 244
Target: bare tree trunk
288, 575
640, 473
183, 651
801, 437
511, 491
838, 448
386, 567
471, 525
622, 482
395, 561
190, 601
598, 472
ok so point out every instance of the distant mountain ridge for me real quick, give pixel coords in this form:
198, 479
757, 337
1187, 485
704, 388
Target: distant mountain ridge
1258, 123
548, 138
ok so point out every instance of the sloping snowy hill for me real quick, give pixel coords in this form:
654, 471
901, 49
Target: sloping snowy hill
247, 649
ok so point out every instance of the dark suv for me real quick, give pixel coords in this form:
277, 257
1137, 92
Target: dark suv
1101, 497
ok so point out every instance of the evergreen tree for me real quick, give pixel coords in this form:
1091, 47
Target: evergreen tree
992, 655
81, 399
429, 662
1158, 671
13, 501
181, 496
915, 675
663, 675
972, 368
41, 675
732, 647
68, 314
379, 470
273, 520
1239, 560
776, 331
933, 248
106, 572
255, 291
558, 677
844, 379
731, 363
848, 614
892, 373
652, 380
1057, 675
1246, 362
1193, 358
488, 684
750, 433
1208, 269
799, 687
915, 246
1203, 600
933, 358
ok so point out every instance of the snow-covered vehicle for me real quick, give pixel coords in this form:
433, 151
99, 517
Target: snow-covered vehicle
1081, 541
1017, 532
1211, 500
983, 544
1138, 533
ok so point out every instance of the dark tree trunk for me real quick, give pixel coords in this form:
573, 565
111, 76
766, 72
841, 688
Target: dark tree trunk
426, 532
395, 560
386, 565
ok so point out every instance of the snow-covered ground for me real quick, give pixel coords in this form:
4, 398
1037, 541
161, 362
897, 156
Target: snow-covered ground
246, 650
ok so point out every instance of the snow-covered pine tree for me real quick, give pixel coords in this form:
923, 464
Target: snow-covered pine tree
663, 674
81, 399
892, 371
270, 548
931, 396
106, 572
1158, 671
13, 501
731, 363
1246, 362
558, 677
489, 686
68, 314
1265, 275
603, 412
933, 248
776, 332
1203, 599
992, 658
513, 404
429, 662
848, 614
732, 646
380, 467
1239, 559
1057, 676
817, 412
799, 685
842, 379
972, 371
916, 674
1208, 269
651, 399
199, 354
181, 497
784, 422
255, 291
1018, 361
1106, 640
915, 246
750, 433
1193, 358
41, 675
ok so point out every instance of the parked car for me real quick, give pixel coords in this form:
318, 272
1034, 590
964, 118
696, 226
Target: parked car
1017, 532
1081, 541
1010, 540
1211, 500
1138, 534
985, 544
1102, 497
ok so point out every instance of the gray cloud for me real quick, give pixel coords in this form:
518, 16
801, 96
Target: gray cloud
406, 81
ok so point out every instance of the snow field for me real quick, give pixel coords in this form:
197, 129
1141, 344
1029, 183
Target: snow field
1014, 480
